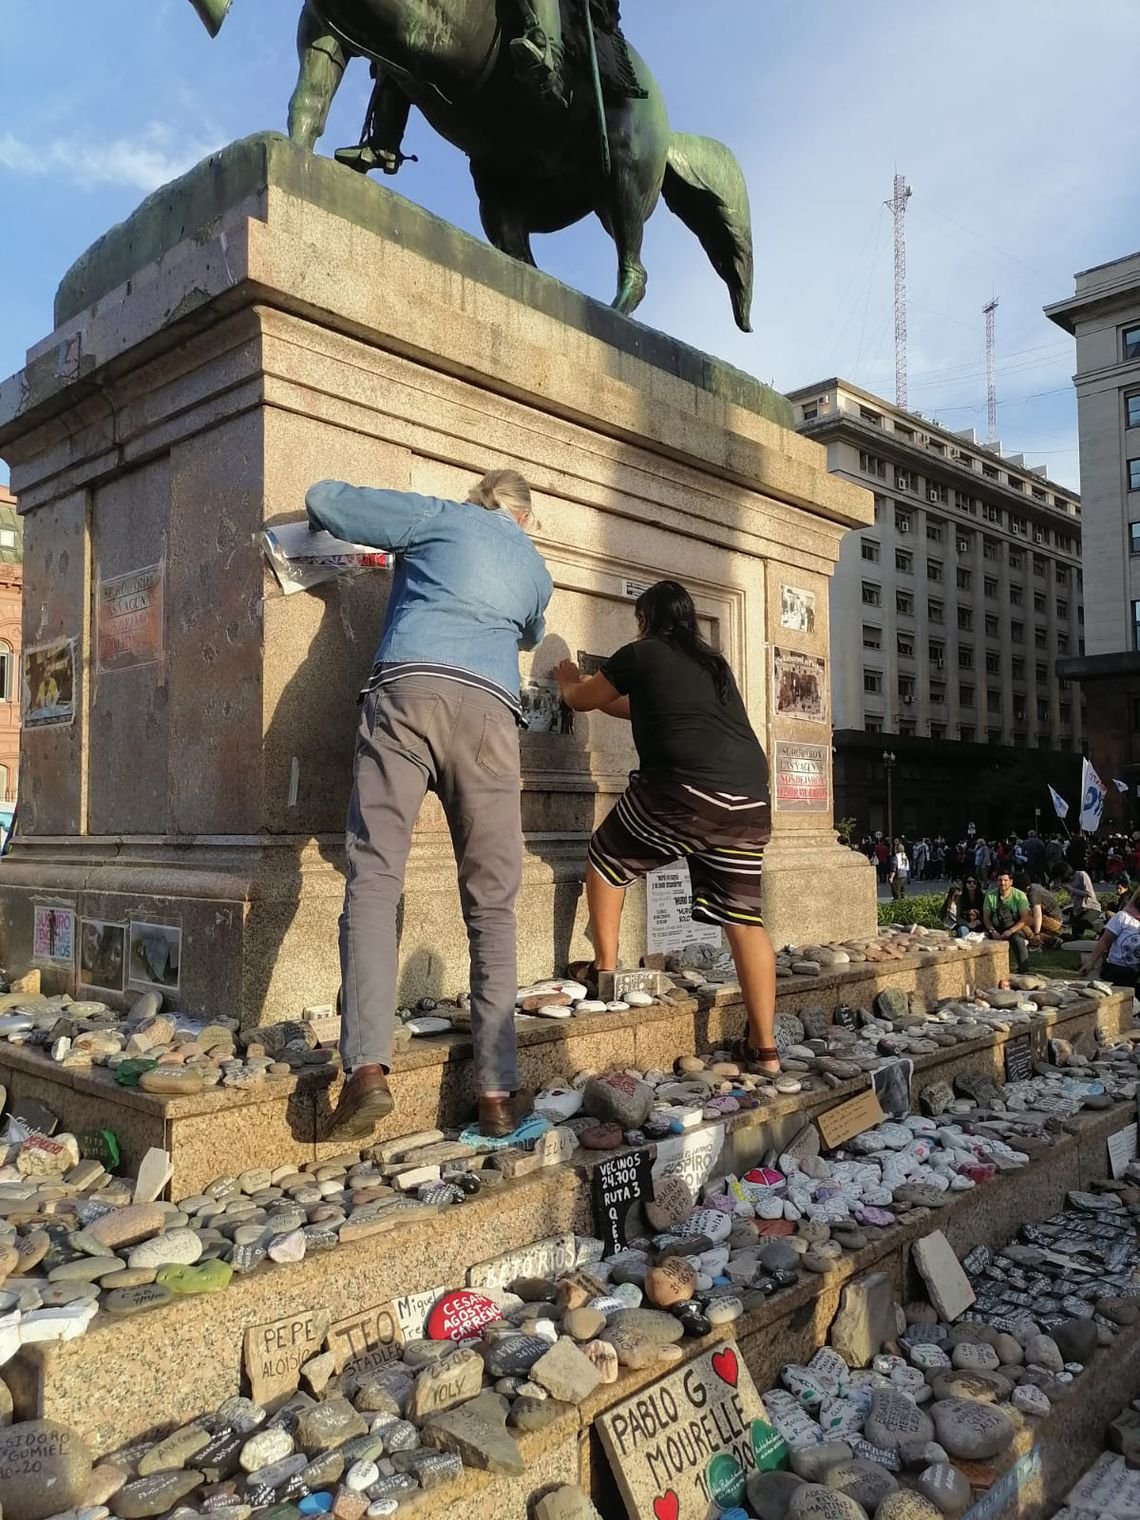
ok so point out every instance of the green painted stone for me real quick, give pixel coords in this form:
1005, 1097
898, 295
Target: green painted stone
99, 1145
725, 1478
127, 1073
206, 1277
769, 1448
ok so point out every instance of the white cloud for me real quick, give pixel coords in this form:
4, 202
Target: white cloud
142, 162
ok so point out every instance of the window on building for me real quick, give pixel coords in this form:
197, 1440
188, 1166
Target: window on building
933, 569
906, 688
1018, 525
990, 586
1136, 623
872, 637
965, 657
936, 652
1063, 644
905, 645
1017, 632
965, 618
1044, 741
992, 627
1062, 609
904, 562
873, 726
964, 542
867, 415
993, 698
1017, 668
1041, 670
993, 664
1134, 537
935, 531
870, 550
991, 549
1016, 559
1043, 709
963, 578
937, 693
904, 432
966, 694
908, 727
7, 677
938, 730
904, 480
903, 522
1039, 639
871, 464
967, 733
934, 612
937, 493
1132, 410
872, 596
809, 413
1038, 565
1065, 713
1130, 342
904, 603
7, 539
873, 681
1039, 601
993, 735
1134, 474
1062, 575
991, 513
1015, 596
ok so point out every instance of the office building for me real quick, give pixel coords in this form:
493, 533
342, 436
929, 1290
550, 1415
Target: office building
1103, 315
947, 621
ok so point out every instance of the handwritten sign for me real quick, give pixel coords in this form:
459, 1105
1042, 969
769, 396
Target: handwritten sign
691, 1156
274, 1354
129, 619
838, 1124
685, 1443
669, 925
553, 1256
366, 1341
801, 778
616, 1185
1122, 1149
1018, 1059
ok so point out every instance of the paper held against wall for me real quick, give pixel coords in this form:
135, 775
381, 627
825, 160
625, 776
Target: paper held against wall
301, 558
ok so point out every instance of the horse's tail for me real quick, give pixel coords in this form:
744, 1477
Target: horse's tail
705, 187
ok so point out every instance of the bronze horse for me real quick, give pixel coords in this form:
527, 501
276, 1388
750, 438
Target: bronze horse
537, 164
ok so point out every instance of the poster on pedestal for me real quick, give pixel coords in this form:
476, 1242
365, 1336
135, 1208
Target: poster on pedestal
801, 778
669, 925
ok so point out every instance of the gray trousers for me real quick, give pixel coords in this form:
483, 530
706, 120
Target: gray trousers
421, 732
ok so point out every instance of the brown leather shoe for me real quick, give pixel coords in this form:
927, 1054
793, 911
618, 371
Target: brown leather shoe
500, 1116
365, 1099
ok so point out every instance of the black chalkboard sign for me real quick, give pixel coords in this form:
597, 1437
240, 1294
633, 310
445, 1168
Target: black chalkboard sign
617, 1183
1019, 1059
844, 1016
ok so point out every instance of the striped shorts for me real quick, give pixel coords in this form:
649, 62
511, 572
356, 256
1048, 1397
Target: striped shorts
720, 836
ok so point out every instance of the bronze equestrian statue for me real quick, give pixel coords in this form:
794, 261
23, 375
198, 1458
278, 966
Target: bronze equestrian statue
557, 113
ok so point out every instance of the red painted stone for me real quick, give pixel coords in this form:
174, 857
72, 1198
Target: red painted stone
766, 1176
461, 1315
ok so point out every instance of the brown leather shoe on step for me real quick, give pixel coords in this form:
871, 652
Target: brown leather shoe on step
365, 1099
500, 1116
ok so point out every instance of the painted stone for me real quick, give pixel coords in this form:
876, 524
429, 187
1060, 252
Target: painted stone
44, 1469
461, 1315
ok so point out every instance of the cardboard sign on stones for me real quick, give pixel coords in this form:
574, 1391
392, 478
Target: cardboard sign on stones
661, 1441
838, 1124
274, 1354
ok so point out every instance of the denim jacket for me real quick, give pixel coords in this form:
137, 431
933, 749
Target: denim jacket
469, 589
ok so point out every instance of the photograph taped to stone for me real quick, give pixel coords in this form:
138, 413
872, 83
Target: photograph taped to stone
155, 957
102, 955
663, 1474
53, 935
797, 609
891, 1083
799, 685
48, 692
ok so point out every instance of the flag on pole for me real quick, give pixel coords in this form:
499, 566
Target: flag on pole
1121, 786
1060, 806
1093, 790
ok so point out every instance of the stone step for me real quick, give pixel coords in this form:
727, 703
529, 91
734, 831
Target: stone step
110, 1381
433, 1081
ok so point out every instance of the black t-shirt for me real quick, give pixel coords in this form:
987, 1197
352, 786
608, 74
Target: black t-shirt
682, 730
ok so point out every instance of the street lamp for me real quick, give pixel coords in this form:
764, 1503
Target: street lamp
889, 766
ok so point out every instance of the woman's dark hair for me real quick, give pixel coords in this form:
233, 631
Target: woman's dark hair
666, 611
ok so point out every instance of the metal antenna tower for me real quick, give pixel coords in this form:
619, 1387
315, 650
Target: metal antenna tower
991, 375
897, 207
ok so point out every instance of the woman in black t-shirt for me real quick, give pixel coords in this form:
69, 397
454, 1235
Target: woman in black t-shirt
700, 793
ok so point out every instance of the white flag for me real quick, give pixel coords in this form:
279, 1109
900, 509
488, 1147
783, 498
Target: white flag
1121, 786
1060, 806
1092, 798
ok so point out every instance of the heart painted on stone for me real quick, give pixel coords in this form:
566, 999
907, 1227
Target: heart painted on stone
667, 1506
725, 1366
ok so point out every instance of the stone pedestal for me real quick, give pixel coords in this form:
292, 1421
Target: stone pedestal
271, 319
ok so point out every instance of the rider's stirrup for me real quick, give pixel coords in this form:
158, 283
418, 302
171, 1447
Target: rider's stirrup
535, 63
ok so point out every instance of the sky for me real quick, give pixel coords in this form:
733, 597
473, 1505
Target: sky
1010, 119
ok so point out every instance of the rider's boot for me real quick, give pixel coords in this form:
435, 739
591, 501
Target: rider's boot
538, 64
365, 157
